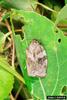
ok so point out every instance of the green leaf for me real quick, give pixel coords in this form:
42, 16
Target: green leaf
2, 41
40, 28
6, 80
19, 4
65, 1
6, 77
8, 68
62, 15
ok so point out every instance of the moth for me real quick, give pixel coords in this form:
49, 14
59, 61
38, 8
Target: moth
36, 59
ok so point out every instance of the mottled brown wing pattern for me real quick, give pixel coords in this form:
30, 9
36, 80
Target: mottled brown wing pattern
36, 59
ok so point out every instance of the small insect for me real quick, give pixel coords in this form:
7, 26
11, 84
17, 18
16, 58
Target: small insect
36, 59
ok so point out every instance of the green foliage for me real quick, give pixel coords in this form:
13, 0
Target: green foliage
19, 4
7, 77
40, 28
2, 41
6, 80
19, 25
54, 14
65, 1
62, 15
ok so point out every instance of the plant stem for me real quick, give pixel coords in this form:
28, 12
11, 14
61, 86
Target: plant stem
7, 67
18, 91
11, 97
46, 7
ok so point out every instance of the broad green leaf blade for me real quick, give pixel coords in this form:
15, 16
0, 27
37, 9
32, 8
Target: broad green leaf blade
40, 28
19, 4
62, 15
6, 80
